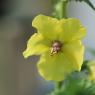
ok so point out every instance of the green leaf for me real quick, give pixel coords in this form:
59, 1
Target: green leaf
87, 2
76, 84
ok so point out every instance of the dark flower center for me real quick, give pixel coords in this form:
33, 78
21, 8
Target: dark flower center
56, 47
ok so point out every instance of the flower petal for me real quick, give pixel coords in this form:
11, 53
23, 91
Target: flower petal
71, 29
91, 69
55, 67
75, 51
46, 25
37, 44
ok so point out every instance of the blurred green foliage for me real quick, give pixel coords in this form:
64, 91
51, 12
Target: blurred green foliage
76, 84
92, 51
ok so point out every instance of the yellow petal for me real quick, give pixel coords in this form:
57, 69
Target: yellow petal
75, 51
46, 25
56, 67
36, 45
71, 29
91, 67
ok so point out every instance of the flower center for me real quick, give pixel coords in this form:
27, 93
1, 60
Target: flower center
56, 47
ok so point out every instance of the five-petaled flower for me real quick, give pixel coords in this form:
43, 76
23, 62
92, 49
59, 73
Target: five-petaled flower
59, 44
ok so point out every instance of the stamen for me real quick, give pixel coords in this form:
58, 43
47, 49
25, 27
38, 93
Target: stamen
56, 47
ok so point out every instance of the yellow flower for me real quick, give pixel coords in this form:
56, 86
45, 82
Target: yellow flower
91, 68
59, 44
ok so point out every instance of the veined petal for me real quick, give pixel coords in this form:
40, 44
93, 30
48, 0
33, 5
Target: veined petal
36, 45
71, 29
46, 25
55, 67
75, 51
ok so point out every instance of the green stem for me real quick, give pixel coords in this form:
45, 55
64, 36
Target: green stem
60, 7
58, 85
64, 11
